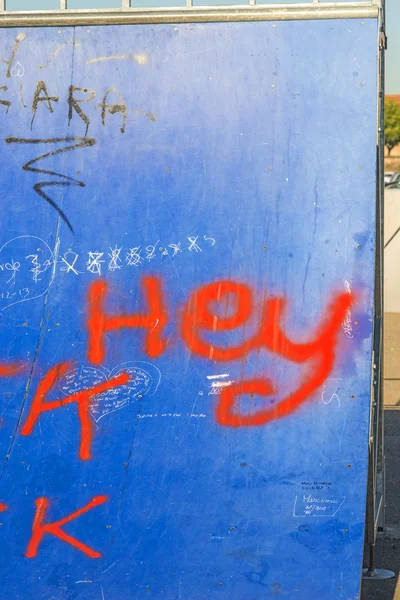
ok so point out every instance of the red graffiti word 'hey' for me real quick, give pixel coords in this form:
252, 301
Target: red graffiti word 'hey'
82, 399
39, 529
202, 314
3, 507
99, 322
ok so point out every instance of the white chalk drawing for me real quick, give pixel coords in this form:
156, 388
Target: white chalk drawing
333, 397
151, 251
36, 267
12, 266
94, 262
69, 259
144, 381
119, 257
22, 293
218, 383
164, 251
176, 248
172, 415
115, 261
194, 247
347, 324
316, 485
207, 239
309, 505
28, 264
27, 269
221, 384
218, 386
18, 70
133, 257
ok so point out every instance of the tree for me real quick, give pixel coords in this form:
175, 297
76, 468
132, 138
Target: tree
392, 124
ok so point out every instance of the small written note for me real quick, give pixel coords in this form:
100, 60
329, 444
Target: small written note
144, 379
310, 505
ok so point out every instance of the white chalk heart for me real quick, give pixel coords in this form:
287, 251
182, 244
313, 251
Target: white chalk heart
18, 70
27, 268
144, 379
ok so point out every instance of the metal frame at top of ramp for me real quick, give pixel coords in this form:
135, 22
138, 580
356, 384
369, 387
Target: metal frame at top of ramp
127, 14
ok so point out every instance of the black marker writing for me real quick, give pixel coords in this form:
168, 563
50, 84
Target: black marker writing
113, 109
37, 97
74, 144
73, 104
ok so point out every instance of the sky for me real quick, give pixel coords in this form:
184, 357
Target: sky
393, 51
392, 22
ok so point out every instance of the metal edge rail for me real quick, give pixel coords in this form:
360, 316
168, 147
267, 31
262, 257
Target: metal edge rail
188, 14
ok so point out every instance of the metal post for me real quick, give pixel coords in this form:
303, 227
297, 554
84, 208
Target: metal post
2, 5
63, 4
381, 169
376, 469
370, 572
125, 3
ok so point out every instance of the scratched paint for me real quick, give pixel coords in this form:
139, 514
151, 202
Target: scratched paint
186, 309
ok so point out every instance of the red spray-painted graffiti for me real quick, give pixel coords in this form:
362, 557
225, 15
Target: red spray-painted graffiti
39, 529
201, 314
198, 316
99, 322
11, 369
82, 400
204, 314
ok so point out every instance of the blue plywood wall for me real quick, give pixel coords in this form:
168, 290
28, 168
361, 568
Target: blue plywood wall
213, 186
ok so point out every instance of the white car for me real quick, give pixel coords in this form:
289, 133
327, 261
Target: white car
388, 176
